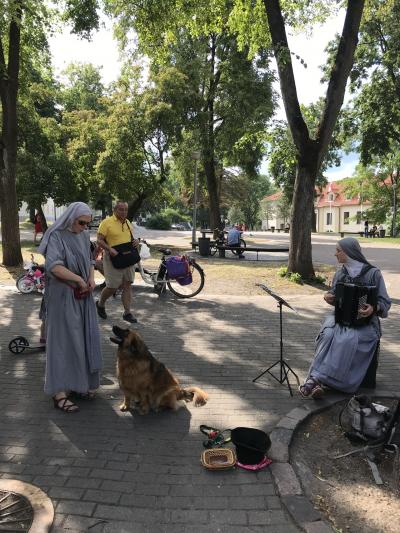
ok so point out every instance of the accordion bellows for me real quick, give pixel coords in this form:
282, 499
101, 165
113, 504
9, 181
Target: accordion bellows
349, 298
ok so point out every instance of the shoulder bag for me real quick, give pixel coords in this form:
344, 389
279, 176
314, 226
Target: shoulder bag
128, 254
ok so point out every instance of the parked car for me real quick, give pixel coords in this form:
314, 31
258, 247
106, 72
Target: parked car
95, 223
181, 226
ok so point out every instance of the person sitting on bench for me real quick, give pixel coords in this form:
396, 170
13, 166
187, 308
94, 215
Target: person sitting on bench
343, 354
234, 235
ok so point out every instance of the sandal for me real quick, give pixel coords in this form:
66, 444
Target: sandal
61, 403
311, 389
89, 395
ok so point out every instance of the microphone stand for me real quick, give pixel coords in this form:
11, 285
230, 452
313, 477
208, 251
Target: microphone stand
284, 367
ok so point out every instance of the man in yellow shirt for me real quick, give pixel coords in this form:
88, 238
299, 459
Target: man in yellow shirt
115, 230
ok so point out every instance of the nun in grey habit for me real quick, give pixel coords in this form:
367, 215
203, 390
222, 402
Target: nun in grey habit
343, 354
73, 356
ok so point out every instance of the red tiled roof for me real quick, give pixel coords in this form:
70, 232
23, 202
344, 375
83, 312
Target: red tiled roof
336, 187
273, 197
340, 198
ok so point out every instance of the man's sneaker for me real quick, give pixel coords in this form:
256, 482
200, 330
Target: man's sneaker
129, 318
101, 311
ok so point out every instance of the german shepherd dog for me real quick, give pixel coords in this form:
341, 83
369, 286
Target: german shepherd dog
146, 381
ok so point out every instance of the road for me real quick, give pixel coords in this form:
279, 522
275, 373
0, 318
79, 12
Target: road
384, 255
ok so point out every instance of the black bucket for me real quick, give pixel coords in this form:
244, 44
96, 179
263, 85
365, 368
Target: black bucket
251, 445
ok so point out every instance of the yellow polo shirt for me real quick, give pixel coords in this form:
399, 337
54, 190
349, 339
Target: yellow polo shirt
114, 231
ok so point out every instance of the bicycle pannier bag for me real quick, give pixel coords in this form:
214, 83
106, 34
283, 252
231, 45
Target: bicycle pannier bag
178, 268
127, 256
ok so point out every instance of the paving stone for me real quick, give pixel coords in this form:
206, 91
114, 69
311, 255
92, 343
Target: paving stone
286, 479
280, 440
106, 470
318, 527
301, 509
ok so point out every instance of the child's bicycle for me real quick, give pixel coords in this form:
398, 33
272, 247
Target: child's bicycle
160, 279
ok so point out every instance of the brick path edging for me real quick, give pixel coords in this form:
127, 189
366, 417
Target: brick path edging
288, 485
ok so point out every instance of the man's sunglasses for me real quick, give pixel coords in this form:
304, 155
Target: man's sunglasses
83, 223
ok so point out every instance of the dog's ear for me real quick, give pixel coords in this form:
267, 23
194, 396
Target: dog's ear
137, 344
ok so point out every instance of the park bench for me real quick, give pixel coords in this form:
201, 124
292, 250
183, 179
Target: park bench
222, 249
343, 233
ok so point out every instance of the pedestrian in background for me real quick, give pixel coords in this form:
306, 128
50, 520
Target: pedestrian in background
37, 228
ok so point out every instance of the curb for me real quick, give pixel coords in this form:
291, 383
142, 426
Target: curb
293, 490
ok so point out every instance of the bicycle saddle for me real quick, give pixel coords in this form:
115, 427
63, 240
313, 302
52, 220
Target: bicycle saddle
165, 251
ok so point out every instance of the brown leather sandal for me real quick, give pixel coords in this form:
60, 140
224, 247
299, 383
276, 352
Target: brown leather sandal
65, 405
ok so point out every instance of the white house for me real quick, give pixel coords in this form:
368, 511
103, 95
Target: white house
335, 210
271, 218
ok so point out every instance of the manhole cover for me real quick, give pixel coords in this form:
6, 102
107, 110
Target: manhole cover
16, 513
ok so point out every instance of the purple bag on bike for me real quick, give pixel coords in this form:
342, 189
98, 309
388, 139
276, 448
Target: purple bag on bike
178, 268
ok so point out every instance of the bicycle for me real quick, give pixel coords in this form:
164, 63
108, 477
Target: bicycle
221, 240
160, 280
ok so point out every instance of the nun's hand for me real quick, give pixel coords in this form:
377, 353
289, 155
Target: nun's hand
329, 298
366, 310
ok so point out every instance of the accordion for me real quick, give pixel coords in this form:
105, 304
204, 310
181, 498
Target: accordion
349, 298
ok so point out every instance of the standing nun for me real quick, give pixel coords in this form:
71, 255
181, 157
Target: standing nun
73, 356
343, 354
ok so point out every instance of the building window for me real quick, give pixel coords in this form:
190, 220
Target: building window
346, 217
358, 217
331, 197
328, 219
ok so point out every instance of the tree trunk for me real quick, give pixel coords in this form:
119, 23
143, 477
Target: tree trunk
8, 145
300, 257
42, 218
9, 219
212, 187
310, 153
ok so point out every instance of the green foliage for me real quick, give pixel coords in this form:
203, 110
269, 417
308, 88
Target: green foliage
83, 88
175, 216
282, 272
235, 215
294, 277
159, 221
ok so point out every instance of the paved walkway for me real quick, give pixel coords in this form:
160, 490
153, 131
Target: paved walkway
113, 472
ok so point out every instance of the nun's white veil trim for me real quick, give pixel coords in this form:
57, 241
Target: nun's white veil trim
74, 210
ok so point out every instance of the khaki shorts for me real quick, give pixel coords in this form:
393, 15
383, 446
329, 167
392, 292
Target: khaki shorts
115, 276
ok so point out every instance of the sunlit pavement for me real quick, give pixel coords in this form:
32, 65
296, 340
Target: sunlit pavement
108, 471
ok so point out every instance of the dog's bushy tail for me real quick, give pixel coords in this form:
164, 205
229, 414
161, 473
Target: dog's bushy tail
195, 394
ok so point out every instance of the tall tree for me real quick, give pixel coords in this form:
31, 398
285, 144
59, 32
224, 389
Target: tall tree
20, 24
310, 151
231, 94
374, 118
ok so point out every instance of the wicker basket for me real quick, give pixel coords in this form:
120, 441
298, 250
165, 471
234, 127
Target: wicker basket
218, 458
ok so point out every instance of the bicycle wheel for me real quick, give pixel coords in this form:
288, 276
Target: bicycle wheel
25, 284
242, 245
188, 291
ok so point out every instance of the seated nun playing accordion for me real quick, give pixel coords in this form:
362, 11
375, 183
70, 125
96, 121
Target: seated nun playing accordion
349, 337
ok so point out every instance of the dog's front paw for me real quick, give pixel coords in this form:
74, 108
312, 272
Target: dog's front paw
124, 407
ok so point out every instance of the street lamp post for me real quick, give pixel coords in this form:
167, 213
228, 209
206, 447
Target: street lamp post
394, 210
196, 157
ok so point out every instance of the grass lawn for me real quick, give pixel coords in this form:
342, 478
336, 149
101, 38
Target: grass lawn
381, 242
223, 276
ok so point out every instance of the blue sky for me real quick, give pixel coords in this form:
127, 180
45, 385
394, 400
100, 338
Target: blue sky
103, 51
